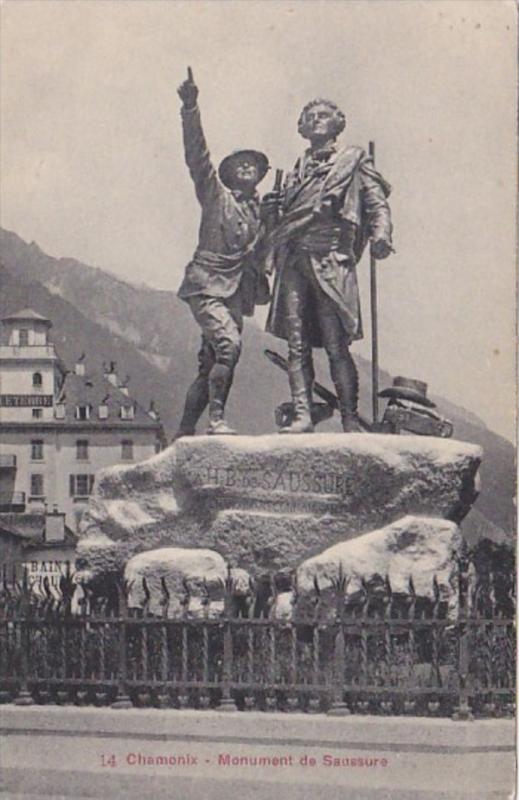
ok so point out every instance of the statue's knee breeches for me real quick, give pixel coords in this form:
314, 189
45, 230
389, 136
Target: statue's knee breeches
296, 298
221, 323
227, 351
205, 358
335, 341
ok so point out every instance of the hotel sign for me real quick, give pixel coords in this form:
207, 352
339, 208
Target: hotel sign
25, 400
38, 570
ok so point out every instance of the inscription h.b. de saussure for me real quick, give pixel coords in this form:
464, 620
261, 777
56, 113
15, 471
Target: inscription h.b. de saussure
281, 480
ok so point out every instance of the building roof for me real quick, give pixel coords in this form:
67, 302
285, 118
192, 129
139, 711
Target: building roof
6, 531
31, 529
27, 526
27, 314
94, 389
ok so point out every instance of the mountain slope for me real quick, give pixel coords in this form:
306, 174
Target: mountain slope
139, 314
153, 338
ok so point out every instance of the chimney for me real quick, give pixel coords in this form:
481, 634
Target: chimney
103, 408
124, 386
111, 374
59, 408
79, 367
54, 526
152, 411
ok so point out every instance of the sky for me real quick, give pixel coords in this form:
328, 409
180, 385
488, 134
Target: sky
92, 164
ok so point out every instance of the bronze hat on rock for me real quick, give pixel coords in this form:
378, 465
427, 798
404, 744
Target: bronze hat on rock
408, 389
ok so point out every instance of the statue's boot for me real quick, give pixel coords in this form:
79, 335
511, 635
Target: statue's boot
197, 396
301, 379
301, 403
220, 380
346, 381
351, 423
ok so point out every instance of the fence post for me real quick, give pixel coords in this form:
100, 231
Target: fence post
122, 700
24, 697
339, 708
409, 699
227, 702
462, 711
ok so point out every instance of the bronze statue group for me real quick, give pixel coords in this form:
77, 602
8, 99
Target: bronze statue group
309, 233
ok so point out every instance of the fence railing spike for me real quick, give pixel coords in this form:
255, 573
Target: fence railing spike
229, 581
164, 587
206, 595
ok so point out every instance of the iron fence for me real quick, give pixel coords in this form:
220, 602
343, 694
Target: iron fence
378, 652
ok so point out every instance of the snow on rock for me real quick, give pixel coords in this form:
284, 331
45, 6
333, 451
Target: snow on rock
197, 574
241, 584
420, 548
283, 606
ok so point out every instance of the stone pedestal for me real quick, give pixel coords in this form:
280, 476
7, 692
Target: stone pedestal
267, 503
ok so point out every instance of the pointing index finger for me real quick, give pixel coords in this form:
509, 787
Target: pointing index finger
190, 75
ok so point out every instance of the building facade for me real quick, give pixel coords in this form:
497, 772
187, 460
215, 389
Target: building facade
59, 427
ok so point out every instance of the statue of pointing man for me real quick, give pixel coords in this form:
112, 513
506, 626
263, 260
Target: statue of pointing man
222, 281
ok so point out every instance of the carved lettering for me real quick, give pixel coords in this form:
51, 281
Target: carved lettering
284, 481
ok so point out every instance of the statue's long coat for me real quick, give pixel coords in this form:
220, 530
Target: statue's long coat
344, 189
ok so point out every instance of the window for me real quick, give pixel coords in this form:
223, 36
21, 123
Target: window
37, 450
82, 449
37, 413
127, 449
37, 380
81, 485
23, 337
37, 485
82, 412
127, 412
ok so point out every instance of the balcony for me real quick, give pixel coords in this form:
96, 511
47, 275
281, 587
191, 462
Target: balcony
7, 462
12, 501
36, 351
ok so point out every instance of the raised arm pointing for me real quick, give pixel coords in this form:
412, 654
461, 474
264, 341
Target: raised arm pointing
195, 147
188, 90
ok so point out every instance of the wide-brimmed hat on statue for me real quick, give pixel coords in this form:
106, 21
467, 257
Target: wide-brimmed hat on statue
408, 389
226, 168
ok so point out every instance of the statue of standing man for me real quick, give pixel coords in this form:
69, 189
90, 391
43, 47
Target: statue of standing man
332, 203
222, 281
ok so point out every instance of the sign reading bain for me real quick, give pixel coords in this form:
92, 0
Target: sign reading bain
37, 570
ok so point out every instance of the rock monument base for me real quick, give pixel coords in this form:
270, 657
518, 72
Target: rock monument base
269, 503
